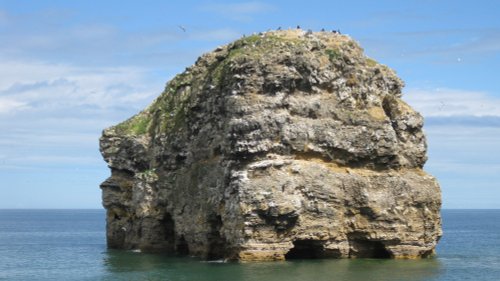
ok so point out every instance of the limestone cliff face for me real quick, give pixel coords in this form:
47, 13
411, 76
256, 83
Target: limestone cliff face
280, 145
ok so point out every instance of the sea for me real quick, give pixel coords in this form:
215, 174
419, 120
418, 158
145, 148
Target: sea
70, 245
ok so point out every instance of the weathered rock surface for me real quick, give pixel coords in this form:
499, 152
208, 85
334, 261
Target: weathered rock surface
280, 145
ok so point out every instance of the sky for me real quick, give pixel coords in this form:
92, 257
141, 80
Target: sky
69, 69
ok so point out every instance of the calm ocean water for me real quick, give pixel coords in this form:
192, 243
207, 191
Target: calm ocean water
70, 245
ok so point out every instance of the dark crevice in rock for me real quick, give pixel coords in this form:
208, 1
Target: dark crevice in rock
217, 151
217, 243
360, 247
122, 172
139, 232
181, 246
111, 185
427, 254
168, 225
306, 249
367, 212
369, 249
389, 107
312, 155
383, 164
280, 221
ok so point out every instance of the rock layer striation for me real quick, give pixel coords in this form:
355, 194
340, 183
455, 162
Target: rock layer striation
280, 145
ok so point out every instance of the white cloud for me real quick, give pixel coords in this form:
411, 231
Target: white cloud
11, 105
443, 102
62, 88
53, 114
476, 144
464, 159
19, 71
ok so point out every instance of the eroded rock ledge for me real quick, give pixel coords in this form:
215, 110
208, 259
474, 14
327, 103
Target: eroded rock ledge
280, 145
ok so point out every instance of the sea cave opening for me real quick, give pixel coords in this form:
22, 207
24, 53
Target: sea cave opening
369, 249
306, 249
168, 227
182, 247
216, 241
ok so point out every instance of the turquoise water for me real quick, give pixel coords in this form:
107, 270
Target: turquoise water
70, 245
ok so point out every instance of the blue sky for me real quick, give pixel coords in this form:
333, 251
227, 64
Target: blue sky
68, 69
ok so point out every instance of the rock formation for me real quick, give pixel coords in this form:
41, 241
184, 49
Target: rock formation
280, 145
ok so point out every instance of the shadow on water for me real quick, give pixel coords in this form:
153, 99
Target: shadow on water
122, 265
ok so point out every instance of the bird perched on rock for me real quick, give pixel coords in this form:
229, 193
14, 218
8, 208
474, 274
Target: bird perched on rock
298, 26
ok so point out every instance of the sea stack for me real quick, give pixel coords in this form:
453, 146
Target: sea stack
287, 144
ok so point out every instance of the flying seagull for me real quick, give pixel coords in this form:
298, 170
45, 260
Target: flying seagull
182, 27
